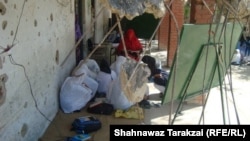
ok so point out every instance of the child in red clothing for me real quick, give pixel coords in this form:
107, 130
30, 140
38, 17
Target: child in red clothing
133, 45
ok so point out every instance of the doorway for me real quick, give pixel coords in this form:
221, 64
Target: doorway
78, 30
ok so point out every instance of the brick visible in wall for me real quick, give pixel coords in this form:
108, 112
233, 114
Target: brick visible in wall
167, 34
200, 14
178, 10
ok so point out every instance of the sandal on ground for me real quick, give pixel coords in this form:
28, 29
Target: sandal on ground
144, 104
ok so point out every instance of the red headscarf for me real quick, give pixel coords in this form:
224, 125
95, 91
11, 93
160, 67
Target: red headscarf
132, 44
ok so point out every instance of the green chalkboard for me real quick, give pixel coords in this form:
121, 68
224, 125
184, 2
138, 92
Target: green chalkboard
203, 57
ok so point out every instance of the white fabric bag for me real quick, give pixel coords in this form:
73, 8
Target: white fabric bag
90, 83
104, 81
116, 97
89, 67
116, 66
74, 94
236, 57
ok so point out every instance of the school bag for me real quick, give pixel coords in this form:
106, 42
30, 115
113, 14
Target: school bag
86, 124
101, 108
79, 137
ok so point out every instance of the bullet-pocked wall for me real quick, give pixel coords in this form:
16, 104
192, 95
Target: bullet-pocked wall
35, 38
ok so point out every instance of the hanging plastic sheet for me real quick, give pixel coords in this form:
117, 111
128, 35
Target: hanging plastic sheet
132, 8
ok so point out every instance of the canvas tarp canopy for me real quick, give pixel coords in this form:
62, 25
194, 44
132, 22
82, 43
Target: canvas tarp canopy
133, 75
132, 8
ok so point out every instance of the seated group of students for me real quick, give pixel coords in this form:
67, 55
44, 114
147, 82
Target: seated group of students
103, 78
134, 49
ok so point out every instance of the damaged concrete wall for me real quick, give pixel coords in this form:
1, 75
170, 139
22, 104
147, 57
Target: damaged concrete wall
39, 36
99, 24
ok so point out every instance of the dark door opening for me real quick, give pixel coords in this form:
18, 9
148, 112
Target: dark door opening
78, 30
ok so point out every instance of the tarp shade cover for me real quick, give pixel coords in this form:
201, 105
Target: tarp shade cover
136, 88
198, 68
133, 8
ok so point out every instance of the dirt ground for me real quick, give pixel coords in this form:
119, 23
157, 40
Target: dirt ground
229, 107
234, 110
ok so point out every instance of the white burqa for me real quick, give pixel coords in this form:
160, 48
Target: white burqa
125, 91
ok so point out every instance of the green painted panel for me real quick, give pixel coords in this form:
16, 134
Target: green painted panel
204, 55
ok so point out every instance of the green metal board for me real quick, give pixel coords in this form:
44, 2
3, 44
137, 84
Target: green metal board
202, 59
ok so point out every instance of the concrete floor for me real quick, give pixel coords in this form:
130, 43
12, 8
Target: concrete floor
228, 107
164, 115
